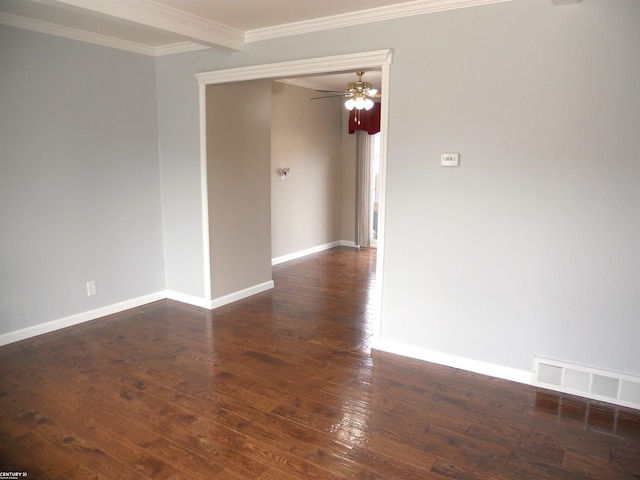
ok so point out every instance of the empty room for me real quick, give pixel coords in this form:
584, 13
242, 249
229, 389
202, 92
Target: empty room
268, 240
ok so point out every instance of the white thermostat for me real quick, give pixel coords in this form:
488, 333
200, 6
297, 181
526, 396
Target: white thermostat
450, 159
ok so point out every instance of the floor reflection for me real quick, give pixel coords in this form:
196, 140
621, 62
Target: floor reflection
591, 414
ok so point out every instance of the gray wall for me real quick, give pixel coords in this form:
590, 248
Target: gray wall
306, 137
79, 178
239, 187
530, 246
179, 141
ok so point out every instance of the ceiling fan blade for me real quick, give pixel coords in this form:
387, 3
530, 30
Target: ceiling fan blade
331, 91
326, 96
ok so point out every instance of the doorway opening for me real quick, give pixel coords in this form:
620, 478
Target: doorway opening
368, 192
380, 60
375, 188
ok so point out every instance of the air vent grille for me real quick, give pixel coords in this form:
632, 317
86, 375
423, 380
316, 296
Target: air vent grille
616, 388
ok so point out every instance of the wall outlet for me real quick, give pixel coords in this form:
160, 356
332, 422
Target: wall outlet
91, 288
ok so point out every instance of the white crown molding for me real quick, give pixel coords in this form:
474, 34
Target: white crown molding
95, 38
418, 7
180, 47
74, 34
205, 33
152, 14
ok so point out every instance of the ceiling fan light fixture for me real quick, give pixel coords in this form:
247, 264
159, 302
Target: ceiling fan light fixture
360, 91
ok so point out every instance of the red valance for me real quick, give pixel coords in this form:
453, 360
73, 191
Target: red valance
367, 120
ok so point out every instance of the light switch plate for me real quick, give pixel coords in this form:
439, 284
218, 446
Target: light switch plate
450, 159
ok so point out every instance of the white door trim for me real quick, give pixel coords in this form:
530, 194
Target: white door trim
338, 63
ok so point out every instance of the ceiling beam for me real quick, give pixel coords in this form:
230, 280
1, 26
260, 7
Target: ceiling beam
151, 14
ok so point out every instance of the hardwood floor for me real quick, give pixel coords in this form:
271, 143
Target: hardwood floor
283, 386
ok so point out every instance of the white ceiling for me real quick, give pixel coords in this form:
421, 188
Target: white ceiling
158, 27
256, 14
336, 81
161, 27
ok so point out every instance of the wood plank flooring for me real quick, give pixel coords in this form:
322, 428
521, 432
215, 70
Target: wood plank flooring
283, 386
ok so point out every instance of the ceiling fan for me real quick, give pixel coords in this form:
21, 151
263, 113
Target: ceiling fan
358, 94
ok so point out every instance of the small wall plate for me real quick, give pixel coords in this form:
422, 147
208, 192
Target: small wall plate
450, 159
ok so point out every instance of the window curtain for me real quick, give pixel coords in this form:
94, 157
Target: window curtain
367, 120
365, 124
364, 150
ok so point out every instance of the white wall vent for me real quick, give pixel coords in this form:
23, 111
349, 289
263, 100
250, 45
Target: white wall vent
612, 387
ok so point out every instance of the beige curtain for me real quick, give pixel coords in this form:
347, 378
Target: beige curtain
364, 150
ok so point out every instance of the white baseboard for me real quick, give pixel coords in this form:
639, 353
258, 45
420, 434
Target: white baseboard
240, 294
76, 319
188, 299
304, 253
24, 333
348, 243
463, 363
220, 301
